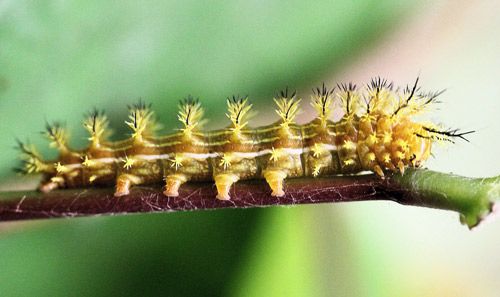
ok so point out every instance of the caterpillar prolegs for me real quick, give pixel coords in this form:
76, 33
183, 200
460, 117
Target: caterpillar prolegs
377, 133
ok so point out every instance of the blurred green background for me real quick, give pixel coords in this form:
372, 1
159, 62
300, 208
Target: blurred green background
59, 59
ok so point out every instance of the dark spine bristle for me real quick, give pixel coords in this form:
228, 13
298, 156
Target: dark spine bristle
348, 89
189, 100
140, 105
411, 91
378, 83
24, 148
20, 170
290, 107
94, 114
323, 91
431, 96
451, 133
237, 99
284, 93
50, 129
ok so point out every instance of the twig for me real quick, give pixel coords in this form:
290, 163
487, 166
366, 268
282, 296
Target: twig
472, 198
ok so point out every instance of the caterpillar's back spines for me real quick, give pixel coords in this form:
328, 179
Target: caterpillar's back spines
322, 102
31, 161
407, 99
376, 132
239, 112
97, 125
141, 121
190, 115
448, 135
286, 93
349, 99
25, 149
378, 84
323, 91
288, 106
57, 135
431, 96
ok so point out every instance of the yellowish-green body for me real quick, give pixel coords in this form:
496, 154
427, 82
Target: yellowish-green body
382, 138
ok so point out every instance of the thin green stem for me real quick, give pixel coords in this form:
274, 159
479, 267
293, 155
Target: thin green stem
473, 198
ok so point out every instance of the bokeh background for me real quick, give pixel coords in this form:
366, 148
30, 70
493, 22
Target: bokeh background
58, 59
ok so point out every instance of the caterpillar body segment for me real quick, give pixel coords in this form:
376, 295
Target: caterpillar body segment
377, 133
286, 145
236, 148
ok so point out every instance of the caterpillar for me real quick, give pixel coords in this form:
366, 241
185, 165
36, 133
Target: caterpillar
376, 133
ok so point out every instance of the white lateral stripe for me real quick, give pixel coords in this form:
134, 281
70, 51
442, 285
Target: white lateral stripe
72, 166
105, 160
204, 156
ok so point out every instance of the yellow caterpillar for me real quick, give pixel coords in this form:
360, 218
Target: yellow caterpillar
376, 133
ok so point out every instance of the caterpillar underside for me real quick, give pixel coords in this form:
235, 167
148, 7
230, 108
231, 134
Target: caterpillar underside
376, 133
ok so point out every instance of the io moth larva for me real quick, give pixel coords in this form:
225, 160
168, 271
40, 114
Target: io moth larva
377, 133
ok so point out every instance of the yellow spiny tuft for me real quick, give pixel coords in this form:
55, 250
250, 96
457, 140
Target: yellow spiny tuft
60, 168
190, 114
380, 97
128, 162
225, 161
288, 107
370, 156
57, 135
400, 155
371, 139
386, 157
317, 150
96, 124
31, 159
141, 121
87, 162
238, 112
177, 161
349, 145
321, 101
275, 154
316, 170
386, 137
403, 144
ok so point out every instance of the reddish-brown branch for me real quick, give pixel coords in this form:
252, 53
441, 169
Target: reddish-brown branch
473, 198
193, 196
94, 201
